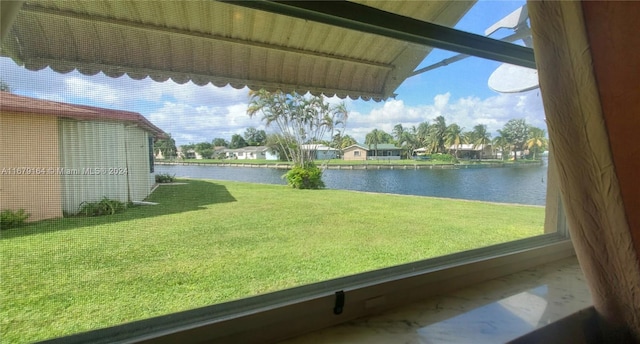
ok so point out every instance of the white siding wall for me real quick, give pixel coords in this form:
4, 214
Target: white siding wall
137, 147
271, 156
89, 151
97, 154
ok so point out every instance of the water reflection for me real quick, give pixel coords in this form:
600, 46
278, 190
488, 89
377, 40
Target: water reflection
525, 185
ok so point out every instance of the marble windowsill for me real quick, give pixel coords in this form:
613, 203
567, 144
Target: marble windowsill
495, 311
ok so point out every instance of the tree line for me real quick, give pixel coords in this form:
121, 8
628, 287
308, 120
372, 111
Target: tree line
438, 137
251, 137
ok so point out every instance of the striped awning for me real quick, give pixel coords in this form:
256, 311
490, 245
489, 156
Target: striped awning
221, 43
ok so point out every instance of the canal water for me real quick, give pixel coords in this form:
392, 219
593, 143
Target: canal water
523, 185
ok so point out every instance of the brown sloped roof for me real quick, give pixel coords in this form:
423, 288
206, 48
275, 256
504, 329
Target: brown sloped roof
26, 105
207, 41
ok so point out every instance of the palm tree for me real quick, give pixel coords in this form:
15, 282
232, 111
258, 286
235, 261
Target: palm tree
422, 137
502, 141
405, 139
537, 140
480, 137
454, 137
299, 119
373, 138
398, 131
437, 133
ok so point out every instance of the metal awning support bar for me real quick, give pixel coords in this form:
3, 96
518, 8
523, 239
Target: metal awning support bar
371, 20
511, 38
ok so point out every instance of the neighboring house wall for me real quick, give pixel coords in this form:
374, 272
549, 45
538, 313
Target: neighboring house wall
99, 153
139, 175
30, 141
91, 149
106, 159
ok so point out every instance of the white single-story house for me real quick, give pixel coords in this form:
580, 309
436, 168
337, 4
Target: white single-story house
55, 155
321, 152
469, 150
188, 154
251, 153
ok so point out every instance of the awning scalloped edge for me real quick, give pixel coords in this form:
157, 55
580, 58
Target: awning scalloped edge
90, 69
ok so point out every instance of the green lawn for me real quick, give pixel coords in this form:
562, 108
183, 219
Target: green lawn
209, 242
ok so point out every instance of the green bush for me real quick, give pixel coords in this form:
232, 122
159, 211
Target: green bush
103, 207
305, 177
165, 178
11, 219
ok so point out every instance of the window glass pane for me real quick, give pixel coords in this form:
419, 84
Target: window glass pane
430, 174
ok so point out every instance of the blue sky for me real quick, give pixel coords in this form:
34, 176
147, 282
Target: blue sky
193, 113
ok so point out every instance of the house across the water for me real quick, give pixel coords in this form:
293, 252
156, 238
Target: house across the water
381, 151
251, 153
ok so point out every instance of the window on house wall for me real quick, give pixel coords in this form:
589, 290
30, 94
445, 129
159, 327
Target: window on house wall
200, 245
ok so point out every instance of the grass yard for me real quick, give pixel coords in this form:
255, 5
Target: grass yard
209, 242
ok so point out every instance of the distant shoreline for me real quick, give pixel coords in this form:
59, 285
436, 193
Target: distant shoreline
362, 166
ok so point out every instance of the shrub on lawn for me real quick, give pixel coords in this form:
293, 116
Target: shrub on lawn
165, 178
103, 207
11, 219
309, 177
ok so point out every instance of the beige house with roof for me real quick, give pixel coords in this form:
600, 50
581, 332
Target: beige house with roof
55, 156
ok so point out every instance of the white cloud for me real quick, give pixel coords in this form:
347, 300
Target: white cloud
191, 124
441, 100
467, 112
84, 88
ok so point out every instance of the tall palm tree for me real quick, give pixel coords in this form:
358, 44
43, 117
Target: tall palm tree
373, 138
421, 134
454, 138
502, 141
398, 132
298, 118
437, 133
405, 138
480, 137
537, 140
